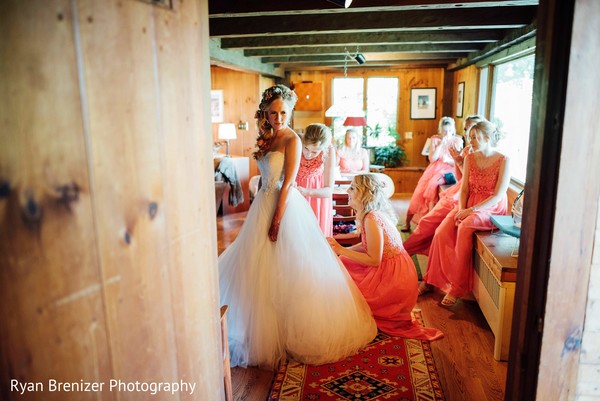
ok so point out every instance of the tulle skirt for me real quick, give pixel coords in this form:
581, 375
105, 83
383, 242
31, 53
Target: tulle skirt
289, 298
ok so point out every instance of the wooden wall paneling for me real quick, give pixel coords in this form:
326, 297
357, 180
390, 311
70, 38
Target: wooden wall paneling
449, 98
470, 76
51, 307
241, 92
310, 96
421, 129
187, 164
125, 148
405, 178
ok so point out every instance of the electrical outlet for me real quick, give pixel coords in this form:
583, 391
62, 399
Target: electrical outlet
408, 135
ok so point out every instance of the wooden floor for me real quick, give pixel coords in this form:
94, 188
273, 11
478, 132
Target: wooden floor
464, 357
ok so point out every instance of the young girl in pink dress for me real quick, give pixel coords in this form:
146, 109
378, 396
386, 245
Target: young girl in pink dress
420, 240
482, 194
316, 174
380, 266
441, 162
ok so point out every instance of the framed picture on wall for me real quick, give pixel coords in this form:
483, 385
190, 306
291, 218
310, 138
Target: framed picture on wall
216, 106
422, 103
460, 99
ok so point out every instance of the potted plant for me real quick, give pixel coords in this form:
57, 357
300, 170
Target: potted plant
390, 156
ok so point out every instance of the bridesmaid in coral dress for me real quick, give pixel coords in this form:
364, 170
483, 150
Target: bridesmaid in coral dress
315, 177
420, 240
352, 158
380, 267
426, 193
483, 194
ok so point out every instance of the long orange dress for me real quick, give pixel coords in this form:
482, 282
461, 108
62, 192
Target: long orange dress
311, 175
450, 256
391, 288
420, 239
426, 192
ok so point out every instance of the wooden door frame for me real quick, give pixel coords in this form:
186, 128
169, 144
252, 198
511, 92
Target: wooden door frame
547, 332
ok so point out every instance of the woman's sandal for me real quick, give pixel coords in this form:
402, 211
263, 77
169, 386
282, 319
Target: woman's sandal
405, 229
424, 287
449, 300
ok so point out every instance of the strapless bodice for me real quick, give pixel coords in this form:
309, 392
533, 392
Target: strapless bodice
271, 170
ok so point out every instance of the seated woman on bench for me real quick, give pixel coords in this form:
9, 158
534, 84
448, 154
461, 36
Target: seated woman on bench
420, 240
426, 192
482, 194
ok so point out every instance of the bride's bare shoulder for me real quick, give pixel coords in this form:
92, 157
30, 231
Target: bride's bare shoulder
291, 136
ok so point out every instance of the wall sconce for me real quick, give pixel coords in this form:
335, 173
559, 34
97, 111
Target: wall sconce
245, 126
227, 132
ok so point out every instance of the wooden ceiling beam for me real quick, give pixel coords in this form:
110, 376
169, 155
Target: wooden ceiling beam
470, 18
298, 51
429, 37
341, 58
256, 8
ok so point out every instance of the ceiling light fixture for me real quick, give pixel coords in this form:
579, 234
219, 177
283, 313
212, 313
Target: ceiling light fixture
360, 59
341, 3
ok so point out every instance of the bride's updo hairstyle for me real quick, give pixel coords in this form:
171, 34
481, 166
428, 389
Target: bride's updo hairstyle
265, 130
370, 193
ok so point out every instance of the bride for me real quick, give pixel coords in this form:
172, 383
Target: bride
288, 293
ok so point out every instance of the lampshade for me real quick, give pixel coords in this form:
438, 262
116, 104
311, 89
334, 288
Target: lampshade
335, 110
341, 3
355, 122
227, 131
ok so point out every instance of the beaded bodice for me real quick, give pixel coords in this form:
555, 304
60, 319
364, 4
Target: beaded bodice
311, 168
482, 181
271, 171
392, 242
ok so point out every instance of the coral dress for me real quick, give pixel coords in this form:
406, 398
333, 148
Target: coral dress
350, 162
292, 297
420, 239
390, 288
311, 175
450, 256
426, 192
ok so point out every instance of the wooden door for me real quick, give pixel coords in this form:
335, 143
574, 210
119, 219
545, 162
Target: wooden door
107, 261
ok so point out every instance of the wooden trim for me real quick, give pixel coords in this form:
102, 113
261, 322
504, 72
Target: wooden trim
550, 84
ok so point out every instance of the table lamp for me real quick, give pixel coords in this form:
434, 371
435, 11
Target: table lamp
227, 132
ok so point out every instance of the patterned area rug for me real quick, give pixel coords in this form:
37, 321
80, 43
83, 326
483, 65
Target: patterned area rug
389, 368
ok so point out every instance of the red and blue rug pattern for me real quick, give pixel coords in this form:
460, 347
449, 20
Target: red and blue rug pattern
389, 368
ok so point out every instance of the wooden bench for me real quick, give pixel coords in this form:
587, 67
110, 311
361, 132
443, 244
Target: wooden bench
494, 279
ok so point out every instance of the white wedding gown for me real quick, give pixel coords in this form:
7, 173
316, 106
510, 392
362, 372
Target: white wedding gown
293, 297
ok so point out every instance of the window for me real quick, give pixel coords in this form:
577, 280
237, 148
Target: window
381, 105
512, 93
347, 97
382, 108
